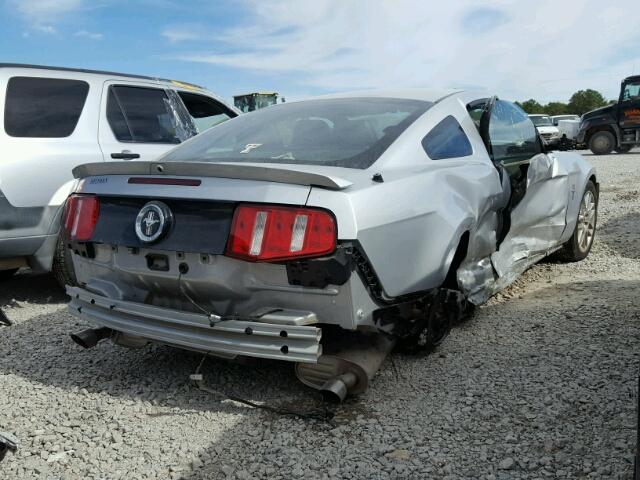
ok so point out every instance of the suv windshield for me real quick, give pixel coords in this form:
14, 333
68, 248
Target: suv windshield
542, 121
345, 132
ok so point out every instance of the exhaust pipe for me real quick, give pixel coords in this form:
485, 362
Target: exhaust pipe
91, 336
348, 367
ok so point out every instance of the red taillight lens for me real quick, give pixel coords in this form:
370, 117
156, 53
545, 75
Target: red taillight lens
269, 233
81, 214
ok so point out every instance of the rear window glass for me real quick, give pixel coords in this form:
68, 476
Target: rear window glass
447, 140
345, 132
43, 107
141, 115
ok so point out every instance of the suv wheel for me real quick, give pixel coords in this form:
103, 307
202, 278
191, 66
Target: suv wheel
7, 274
602, 142
62, 267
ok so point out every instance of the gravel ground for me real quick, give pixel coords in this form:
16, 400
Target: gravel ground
540, 383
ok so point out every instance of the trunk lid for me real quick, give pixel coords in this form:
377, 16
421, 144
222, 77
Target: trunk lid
201, 198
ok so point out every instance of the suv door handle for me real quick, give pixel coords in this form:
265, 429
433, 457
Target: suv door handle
125, 156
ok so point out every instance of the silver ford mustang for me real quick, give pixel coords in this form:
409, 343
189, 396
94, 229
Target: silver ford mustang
324, 232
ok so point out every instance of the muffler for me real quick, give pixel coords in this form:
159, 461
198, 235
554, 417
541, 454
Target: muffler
91, 336
347, 366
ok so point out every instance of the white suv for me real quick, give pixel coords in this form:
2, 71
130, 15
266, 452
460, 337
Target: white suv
54, 119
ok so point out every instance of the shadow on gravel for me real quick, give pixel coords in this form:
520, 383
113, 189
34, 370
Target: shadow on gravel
32, 288
622, 234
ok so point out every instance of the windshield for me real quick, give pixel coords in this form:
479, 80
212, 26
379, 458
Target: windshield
541, 121
346, 132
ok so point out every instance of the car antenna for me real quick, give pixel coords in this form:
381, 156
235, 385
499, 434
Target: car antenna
377, 177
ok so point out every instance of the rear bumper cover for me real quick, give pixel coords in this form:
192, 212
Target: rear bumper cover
193, 331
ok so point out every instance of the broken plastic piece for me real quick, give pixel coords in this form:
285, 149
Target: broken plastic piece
7, 443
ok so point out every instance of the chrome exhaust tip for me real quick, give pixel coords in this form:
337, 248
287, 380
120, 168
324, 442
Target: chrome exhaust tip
348, 368
336, 389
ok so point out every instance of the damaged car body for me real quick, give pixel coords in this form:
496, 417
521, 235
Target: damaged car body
324, 232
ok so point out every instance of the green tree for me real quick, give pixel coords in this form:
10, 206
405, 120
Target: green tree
531, 106
584, 100
555, 108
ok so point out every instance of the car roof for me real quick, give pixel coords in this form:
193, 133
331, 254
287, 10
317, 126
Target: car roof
425, 94
104, 73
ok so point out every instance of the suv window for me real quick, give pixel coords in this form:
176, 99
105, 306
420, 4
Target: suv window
43, 107
205, 111
447, 140
141, 115
512, 135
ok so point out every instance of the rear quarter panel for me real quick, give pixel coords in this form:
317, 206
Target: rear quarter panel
409, 226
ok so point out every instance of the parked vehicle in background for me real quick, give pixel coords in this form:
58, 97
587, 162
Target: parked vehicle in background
548, 132
57, 118
568, 125
557, 118
323, 231
248, 102
614, 127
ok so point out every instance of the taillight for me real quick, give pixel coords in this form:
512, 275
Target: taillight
271, 233
81, 217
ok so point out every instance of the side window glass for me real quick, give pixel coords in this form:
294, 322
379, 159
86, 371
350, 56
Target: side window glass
512, 135
43, 107
447, 140
141, 115
205, 111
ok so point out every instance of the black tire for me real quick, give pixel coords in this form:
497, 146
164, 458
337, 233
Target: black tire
602, 142
62, 267
578, 247
7, 274
623, 148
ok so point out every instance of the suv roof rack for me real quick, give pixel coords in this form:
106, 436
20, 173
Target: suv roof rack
100, 72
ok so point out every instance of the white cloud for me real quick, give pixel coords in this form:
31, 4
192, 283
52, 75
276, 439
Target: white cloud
544, 49
90, 35
48, 29
41, 15
44, 11
182, 33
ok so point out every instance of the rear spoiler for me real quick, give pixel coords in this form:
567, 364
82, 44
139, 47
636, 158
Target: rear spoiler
223, 170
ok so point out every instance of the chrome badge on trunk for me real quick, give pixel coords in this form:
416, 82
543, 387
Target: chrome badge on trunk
153, 221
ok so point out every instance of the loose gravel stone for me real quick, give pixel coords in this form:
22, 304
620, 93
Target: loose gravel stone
539, 383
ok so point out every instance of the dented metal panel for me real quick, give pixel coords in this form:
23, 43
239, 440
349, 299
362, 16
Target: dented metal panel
193, 330
540, 224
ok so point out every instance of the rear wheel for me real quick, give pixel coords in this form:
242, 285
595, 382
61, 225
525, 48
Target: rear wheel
579, 245
7, 274
426, 332
602, 142
62, 267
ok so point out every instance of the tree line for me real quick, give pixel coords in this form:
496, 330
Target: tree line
580, 102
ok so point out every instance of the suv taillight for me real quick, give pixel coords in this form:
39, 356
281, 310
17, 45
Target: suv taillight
272, 233
81, 217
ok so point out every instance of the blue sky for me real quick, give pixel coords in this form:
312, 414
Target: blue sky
520, 49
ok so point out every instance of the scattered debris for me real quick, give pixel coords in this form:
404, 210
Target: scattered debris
8, 443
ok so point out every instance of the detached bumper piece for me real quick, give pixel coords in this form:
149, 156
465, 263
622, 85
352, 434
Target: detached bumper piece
193, 331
